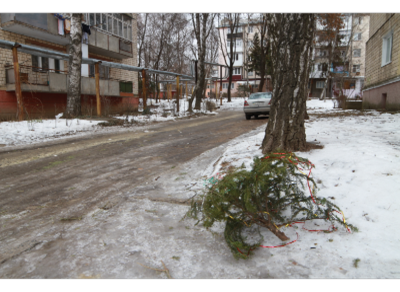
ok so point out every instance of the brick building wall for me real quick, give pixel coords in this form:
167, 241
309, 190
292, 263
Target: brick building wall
26, 59
376, 73
362, 28
382, 85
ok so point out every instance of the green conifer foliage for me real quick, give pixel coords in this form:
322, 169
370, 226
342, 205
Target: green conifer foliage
270, 195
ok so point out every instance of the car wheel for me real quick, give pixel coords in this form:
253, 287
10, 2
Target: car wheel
248, 117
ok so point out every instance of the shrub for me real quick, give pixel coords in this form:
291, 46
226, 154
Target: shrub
210, 106
271, 194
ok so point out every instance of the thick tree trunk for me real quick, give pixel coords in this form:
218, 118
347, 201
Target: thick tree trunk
291, 41
74, 69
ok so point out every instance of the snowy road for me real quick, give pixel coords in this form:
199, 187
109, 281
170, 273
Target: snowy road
48, 190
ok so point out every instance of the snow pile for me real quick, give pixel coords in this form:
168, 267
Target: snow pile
358, 170
166, 110
33, 131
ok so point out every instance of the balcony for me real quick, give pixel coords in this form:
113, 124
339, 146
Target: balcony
339, 69
35, 79
109, 46
44, 26
238, 35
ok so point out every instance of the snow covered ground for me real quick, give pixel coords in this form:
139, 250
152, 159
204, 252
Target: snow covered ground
29, 132
34, 131
359, 168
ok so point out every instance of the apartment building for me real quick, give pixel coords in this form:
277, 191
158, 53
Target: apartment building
106, 36
242, 37
382, 84
346, 70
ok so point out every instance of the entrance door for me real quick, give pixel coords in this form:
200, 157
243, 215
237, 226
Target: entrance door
384, 96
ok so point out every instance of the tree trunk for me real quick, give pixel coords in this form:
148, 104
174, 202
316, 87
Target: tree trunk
291, 44
74, 68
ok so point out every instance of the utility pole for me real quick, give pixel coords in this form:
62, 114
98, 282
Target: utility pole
177, 94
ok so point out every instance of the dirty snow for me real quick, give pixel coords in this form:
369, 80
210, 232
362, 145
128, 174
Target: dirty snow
359, 167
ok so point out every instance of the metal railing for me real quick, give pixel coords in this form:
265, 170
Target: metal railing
30, 75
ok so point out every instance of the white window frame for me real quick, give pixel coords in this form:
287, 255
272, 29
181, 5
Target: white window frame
354, 53
357, 36
110, 30
356, 68
319, 84
387, 40
250, 29
250, 73
238, 43
232, 85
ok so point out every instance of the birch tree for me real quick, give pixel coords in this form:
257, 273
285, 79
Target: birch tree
291, 37
228, 48
73, 108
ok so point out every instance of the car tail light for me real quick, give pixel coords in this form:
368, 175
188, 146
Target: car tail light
269, 102
245, 103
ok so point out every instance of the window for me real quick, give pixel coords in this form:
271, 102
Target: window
238, 43
357, 53
236, 71
356, 68
343, 53
40, 63
250, 73
387, 42
57, 66
357, 36
319, 84
322, 53
250, 29
232, 85
237, 57
35, 63
322, 67
126, 86
115, 23
358, 20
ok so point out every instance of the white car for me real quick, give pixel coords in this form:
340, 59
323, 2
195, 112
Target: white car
258, 104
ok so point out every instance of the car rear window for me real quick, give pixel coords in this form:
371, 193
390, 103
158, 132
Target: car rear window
260, 95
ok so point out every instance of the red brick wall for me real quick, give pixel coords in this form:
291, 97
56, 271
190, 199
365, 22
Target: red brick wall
47, 105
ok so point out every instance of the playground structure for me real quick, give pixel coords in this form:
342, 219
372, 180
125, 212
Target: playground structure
20, 77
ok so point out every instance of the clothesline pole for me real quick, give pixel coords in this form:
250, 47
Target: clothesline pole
144, 89
18, 92
97, 76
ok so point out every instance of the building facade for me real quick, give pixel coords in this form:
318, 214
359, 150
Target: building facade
382, 84
344, 67
243, 37
107, 36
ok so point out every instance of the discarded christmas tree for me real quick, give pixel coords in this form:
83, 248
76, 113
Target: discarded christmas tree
270, 195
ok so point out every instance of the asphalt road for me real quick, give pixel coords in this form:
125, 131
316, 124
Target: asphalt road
45, 186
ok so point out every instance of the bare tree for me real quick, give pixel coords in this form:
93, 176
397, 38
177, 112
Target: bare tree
73, 108
228, 49
203, 24
291, 37
260, 61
